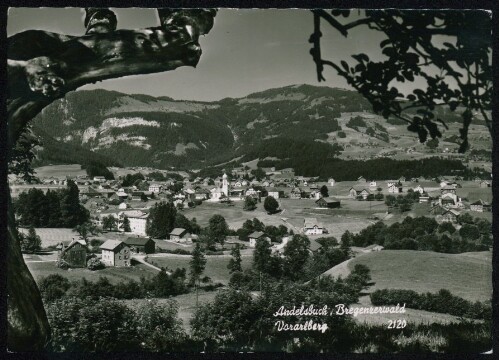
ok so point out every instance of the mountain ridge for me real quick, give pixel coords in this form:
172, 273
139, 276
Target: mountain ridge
161, 132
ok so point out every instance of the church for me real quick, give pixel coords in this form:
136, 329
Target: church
222, 191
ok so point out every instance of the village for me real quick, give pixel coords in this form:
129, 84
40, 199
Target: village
305, 205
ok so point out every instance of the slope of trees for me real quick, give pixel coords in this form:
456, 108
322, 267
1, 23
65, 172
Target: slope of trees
382, 168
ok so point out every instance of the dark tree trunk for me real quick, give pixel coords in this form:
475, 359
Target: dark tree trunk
43, 67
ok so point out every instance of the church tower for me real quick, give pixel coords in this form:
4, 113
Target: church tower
225, 185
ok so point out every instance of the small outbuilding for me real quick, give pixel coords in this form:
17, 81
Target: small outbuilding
141, 245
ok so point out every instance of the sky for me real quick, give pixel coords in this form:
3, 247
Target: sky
245, 52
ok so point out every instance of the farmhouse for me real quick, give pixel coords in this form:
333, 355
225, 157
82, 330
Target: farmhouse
99, 178
395, 188
295, 193
115, 253
155, 188
88, 192
253, 193
480, 206
449, 199
331, 181
180, 235
202, 194
74, 253
312, 227
276, 194
484, 184
121, 194
315, 194
450, 215
137, 195
141, 245
328, 202
253, 237
373, 247
314, 245
354, 193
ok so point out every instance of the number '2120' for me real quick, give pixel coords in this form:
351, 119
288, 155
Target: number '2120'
397, 324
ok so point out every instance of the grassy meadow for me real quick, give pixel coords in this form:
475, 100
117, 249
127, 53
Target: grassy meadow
468, 275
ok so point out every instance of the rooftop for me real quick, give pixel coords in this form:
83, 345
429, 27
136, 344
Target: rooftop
111, 244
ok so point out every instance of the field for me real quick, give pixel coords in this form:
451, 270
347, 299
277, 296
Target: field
468, 275
72, 170
53, 236
115, 275
216, 265
352, 216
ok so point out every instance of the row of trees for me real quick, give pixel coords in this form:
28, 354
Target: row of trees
441, 302
424, 233
162, 285
297, 263
59, 208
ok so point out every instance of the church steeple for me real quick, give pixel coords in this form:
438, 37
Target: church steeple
225, 185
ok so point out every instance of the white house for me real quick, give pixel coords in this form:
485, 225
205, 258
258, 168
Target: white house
274, 193
312, 227
123, 206
253, 237
419, 189
253, 193
138, 221
395, 188
331, 182
373, 184
479, 206
115, 253
155, 188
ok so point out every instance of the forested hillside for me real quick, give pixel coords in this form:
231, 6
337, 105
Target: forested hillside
303, 126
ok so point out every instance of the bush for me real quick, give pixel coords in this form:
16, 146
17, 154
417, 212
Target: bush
53, 287
96, 242
442, 302
175, 251
214, 252
62, 264
95, 264
342, 135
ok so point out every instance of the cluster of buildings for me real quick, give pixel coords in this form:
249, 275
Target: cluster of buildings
113, 252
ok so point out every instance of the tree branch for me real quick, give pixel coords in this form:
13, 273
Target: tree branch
43, 67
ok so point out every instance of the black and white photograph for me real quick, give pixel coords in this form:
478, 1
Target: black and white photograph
229, 180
